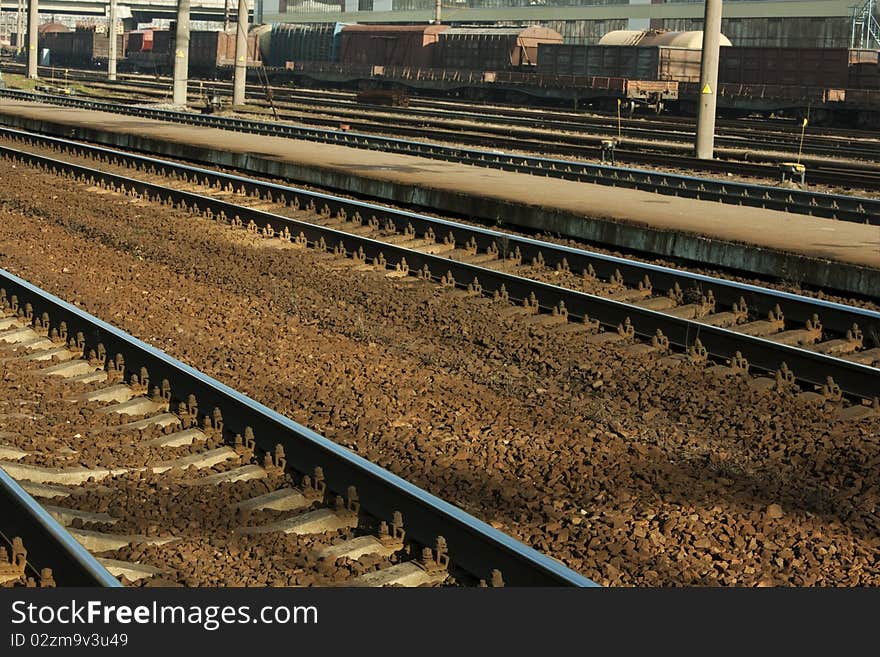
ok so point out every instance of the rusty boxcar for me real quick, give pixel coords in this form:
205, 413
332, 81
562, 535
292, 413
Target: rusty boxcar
629, 62
804, 67
84, 46
318, 42
209, 50
492, 49
864, 69
140, 41
390, 45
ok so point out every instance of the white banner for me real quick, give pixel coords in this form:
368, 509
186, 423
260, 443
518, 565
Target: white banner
122, 11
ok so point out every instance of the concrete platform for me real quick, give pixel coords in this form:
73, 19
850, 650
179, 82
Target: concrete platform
823, 252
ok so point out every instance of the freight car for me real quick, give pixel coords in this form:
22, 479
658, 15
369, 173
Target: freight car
803, 67
825, 82
390, 45
864, 69
692, 40
492, 49
630, 54
140, 41
47, 28
320, 42
85, 46
209, 51
648, 67
630, 62
139, 50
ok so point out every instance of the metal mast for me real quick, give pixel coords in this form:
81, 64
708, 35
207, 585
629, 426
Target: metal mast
181, 53
705, 146
241, 54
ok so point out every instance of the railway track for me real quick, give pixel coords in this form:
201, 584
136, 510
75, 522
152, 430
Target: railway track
35, 550
158, 456
836, 206
825, 346
535, 135
732, 133
566, 135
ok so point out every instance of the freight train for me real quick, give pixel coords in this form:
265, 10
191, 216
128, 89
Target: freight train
521, 64
649, 68
86, 45
147, 50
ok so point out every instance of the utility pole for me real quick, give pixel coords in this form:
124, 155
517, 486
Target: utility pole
19, 27
181, 53
241, 54
33, 53
111, 52
438, 5
705, 146
225, 15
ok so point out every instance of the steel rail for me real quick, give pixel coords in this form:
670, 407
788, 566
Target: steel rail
836, 174
585, 131
48, 544
836, 206
735, 135
854, 174
473, 545
809, 367
837, 318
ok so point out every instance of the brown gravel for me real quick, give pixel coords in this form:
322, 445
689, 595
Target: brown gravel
208, 549
784, 285
630, 469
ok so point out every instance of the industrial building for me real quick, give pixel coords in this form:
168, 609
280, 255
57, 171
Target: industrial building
766, 23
